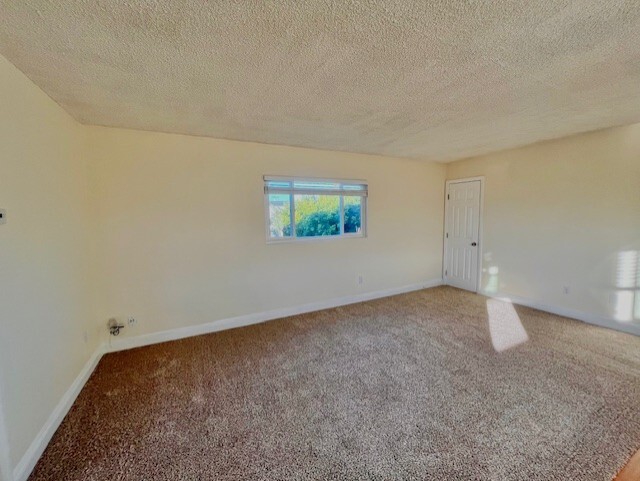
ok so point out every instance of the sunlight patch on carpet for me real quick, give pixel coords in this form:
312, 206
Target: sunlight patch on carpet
505, 326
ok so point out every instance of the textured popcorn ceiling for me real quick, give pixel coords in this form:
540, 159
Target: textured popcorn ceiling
438, 80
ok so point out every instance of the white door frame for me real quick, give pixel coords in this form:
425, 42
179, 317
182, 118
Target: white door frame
480, 226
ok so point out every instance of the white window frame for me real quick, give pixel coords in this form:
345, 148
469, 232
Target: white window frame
292, 192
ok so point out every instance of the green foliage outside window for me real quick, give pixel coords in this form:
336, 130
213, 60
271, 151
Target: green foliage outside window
319, 215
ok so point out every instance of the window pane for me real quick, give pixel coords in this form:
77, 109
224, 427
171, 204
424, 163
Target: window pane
279, 215
352, 214
317, 215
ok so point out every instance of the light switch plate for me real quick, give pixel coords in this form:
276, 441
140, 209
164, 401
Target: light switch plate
3, 216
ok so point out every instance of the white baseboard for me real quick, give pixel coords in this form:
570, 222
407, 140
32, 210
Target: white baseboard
30, 458
248, 319
24, 467
571, 313
6, 472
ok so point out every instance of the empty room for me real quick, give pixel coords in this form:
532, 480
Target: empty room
319, 240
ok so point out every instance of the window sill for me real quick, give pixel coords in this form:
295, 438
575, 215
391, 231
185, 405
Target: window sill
323, 238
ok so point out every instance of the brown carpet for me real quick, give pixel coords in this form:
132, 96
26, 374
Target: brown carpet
408, 387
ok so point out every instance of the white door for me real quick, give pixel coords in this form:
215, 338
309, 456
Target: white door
462, 232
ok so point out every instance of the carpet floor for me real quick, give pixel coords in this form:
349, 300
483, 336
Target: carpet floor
435, 384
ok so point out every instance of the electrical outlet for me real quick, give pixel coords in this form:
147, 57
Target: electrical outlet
131, 320
566, 290
85, 336
360, 279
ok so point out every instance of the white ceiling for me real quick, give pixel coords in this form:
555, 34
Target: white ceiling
436, 80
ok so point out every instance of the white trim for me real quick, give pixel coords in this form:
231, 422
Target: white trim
292, 209
5, 459
480, 178
589, 318
248, 319
289, 178
24, 467
37, 447
300, 191
318, 238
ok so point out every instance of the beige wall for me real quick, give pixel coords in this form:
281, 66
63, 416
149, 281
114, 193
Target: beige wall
45, 275
565, 213
170, 229
182, 228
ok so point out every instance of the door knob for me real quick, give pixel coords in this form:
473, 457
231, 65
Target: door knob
474, 244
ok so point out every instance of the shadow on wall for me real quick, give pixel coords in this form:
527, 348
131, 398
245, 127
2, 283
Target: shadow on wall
626, 297
505, 326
